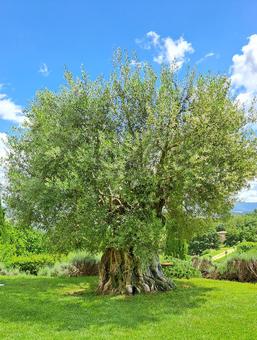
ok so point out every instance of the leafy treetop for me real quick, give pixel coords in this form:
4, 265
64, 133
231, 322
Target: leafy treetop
112, 163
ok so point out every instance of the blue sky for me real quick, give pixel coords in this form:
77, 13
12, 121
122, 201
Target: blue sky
38, 38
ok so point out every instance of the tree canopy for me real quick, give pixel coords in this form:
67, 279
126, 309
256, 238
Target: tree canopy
115, 163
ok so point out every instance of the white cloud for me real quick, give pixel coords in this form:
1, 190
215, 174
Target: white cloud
9, 110
210, 54
244, 68
44, 70
169, 51
155, 38
244, 84
249, 194
245, 98
244, 71
207, 55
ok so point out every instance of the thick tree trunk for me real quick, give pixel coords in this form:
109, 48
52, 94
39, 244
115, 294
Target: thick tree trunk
120, 273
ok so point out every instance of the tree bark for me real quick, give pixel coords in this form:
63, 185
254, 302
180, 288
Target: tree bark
120, 273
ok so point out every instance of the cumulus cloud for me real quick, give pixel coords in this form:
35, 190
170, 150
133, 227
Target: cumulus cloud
44, 70
246, 98
168, 51
249, 194
244, 68
244, 84
244, 71
9, 110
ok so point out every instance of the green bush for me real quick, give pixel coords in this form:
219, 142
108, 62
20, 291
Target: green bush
244, 247
233, 237
31, 264
19, 241
180, 269
220, 227
203, 242
16, 240
176, 247
7, 251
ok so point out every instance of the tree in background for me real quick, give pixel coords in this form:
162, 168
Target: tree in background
111, 165
201, 243
241, 228
16, 241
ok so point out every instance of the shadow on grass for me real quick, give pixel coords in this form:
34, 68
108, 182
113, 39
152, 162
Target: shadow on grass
72, 304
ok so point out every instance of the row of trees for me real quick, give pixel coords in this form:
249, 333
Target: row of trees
113, 165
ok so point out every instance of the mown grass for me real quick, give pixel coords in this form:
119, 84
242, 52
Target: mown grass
68, 308
252, 253
214, 252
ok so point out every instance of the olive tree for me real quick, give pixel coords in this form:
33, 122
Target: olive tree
113, 165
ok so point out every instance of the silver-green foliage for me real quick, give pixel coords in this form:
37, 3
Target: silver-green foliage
112, 163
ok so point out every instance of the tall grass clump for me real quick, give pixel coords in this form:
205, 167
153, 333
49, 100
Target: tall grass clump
4, 271
78, 263
239, 267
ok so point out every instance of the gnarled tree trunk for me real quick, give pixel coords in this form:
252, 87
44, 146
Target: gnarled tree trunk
120, 273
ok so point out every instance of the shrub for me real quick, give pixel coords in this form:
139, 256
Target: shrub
220, 227
239, 267
200, 243
19, 241
31, 264
8, 272
7, 251
85, 264
244, 247
206, 253
176, 247
203, 264
180, 269
76, 264
62, 269
232, 237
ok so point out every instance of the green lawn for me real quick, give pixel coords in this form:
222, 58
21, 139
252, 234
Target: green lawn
214, 252
68, 308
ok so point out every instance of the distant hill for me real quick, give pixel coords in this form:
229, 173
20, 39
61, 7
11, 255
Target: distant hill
244, 207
